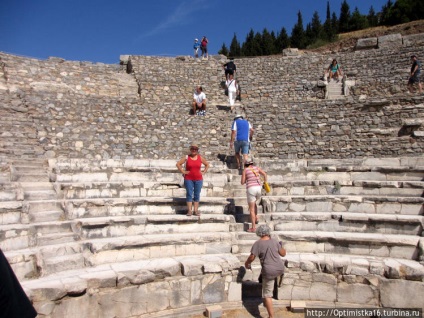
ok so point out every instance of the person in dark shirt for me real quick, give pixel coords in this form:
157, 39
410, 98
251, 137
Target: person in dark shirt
414, 77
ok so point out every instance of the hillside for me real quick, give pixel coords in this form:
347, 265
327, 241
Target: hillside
347, 41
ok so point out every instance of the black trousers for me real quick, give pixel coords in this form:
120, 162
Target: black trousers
14, 303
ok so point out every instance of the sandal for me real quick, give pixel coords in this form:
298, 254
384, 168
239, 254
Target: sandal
252, 230
189, 214
197, 213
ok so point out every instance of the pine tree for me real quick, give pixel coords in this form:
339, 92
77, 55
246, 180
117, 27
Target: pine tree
357, 21
372, 18
327, 27
386, 12
335, 24
223, 50
298, 38
267, 43
235, 47
246, 49
282, 41
344, 17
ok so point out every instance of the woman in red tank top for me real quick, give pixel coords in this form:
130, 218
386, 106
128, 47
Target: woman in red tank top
193, 177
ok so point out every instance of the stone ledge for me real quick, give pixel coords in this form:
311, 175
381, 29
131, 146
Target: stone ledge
57, 286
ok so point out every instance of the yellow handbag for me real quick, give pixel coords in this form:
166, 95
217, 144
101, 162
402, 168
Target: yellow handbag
267, 187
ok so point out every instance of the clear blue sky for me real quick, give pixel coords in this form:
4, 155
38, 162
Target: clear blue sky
102, 30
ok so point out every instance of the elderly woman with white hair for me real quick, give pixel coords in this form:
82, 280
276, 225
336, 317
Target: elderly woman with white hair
269, 251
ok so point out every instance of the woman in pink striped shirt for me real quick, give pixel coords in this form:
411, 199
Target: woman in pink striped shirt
251, 177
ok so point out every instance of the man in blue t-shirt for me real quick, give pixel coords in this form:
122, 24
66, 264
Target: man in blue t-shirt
241, 135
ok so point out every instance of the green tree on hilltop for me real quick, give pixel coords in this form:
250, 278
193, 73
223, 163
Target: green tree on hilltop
298, 37
282, 41
344, 17
235, 49
357, 21
224, 50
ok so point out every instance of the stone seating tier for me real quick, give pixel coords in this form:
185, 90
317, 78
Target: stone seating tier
146, 286
100, 112
123, 127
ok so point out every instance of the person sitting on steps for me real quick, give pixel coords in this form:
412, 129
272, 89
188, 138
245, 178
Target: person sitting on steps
199, 102
334, 71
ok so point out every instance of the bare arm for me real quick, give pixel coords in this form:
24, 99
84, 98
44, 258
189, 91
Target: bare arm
243, 177
263, 173
233, 137
249, 261
180, 165
206, 164
282, 251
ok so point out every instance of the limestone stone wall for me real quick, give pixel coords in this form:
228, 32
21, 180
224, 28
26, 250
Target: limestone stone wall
140, 109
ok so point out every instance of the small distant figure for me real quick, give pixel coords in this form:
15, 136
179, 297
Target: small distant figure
269, 251
199, 102
230, 68
193, 177
204, 47
334, 70
251, 177
414, 77
241, 135
196, 47
232, 89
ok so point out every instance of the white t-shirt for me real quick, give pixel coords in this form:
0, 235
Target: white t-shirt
199, 97
231, 84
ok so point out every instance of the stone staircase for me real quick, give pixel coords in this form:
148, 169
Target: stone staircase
351, 218
335, 89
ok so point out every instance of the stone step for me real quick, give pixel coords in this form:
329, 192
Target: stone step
344, 203
102, 227
69, 282
140, 205
342, 264
12, 212
379, 188
38, 261
371, 244
40, 194
171, 178
348, 222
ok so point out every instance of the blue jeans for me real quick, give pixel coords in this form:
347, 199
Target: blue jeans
193, 190
242, 145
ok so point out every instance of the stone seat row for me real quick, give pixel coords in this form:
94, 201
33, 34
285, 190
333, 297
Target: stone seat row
348, 222
78, 252
369, 244
147, 286
54, 210
344, 264
18, 236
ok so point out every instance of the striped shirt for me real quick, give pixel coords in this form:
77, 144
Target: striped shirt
253, 179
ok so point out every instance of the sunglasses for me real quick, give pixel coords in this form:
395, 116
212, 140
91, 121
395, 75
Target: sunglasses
193, 148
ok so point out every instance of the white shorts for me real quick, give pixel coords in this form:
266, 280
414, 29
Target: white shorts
253, 193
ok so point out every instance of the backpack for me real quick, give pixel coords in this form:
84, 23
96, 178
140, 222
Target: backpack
204, 42
230, 66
